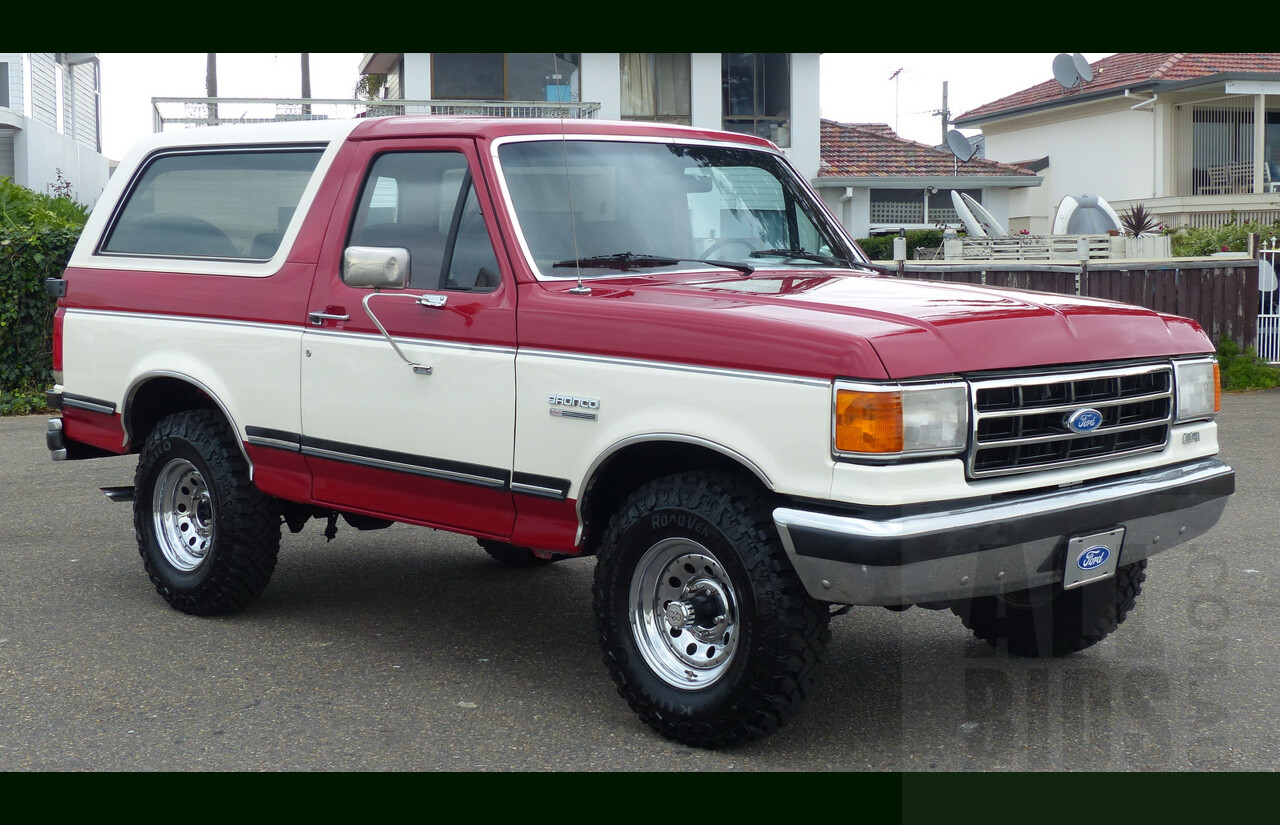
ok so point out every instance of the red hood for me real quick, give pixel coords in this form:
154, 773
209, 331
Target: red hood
862, 326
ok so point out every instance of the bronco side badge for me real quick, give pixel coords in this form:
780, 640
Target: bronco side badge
572, 406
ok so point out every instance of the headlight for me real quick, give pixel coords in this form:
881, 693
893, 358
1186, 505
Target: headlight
887, 421
1199, 388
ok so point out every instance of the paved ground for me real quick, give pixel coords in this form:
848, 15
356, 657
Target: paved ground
407, 649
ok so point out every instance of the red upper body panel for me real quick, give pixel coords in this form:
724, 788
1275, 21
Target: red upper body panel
829, 325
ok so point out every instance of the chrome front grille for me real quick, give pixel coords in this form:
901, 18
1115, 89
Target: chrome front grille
1020, 422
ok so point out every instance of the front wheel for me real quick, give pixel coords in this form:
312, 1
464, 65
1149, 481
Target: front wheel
1050, 621
705, 628
208, 537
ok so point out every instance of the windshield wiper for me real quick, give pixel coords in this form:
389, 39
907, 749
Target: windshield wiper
624, 261
803, 254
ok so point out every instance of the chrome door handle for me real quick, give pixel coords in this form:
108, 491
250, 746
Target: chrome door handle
318, 318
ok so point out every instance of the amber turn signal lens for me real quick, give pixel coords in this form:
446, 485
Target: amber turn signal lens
868, 422
1217, 388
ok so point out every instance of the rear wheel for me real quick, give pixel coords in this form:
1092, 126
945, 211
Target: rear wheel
705, 628
208, 537
1051, 621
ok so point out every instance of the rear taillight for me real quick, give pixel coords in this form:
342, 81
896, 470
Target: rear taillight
57, 346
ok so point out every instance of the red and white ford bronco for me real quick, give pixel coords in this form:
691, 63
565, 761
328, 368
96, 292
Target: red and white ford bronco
650, 344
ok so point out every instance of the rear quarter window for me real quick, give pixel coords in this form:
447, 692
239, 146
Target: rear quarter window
224, 204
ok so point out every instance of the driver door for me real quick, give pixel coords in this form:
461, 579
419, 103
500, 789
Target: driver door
408, 392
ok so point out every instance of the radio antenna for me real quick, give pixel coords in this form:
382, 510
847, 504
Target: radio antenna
580, 288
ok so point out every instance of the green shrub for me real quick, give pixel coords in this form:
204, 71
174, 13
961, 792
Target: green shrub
880, 247
1241, 370
37, 235
1202, 241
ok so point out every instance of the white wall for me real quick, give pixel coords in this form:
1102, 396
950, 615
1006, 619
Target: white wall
1110, 153
806, 120
704, 82
600, 82
40, 153
1031, 209
417, 76
851, 206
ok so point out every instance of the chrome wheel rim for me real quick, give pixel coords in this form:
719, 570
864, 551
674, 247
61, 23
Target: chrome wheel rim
182, 513
684, 614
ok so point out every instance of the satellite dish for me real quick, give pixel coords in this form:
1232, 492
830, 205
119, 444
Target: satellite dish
971, 224
1065, 71
1082, 67
990, 225
960, 145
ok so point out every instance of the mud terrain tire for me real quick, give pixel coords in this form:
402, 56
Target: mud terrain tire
706, 630
208, 537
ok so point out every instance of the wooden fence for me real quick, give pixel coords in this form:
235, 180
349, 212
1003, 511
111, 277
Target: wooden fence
1221, 294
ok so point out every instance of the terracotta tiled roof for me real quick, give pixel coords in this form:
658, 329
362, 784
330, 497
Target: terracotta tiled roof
1126, 71
873, 150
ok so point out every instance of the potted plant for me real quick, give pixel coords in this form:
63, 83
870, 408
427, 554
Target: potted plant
1142, 234
1138, 221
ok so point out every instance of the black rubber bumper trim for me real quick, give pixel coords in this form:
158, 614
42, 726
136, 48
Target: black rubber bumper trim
891, 551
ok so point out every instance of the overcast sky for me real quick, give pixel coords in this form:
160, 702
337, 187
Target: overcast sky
129, 81
856, 88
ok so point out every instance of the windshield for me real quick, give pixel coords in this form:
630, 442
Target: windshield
598, 207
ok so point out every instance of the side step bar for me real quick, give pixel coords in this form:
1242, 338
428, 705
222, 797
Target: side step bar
119, 493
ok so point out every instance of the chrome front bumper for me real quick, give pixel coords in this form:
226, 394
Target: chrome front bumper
998, 546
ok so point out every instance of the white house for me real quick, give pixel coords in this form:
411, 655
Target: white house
50, 123
1193, 137
774, 95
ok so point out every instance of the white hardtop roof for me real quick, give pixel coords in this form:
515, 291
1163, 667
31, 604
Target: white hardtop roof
291, 131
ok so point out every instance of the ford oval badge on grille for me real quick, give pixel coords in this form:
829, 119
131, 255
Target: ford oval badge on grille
1084, 421
1093, 557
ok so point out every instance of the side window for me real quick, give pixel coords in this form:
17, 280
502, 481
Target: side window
231, 204
473, 266
424, 202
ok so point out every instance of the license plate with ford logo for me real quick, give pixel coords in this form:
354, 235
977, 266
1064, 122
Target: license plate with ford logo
1093, 557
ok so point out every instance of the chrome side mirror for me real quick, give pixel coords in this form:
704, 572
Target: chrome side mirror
375, 267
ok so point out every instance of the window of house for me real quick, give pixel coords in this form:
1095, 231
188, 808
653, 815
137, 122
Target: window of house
756, 90
656, 87
916, 207
4, 84
530, 76
235, 204
1222, 150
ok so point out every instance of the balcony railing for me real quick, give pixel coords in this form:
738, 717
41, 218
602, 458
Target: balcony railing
184, 112
1208, 210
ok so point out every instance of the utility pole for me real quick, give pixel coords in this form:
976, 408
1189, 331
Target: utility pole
211, 84
306, 82
945, 112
